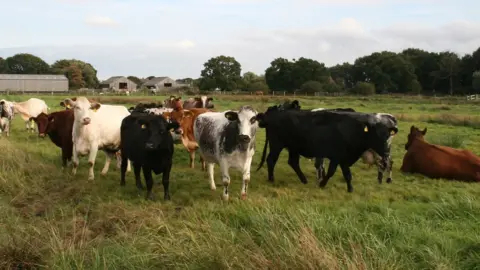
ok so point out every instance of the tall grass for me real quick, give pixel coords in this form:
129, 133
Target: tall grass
52, 220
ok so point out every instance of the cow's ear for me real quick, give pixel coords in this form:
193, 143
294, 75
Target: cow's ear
412, 128
197, 99
173, 125
296, 104
95, 106
231, 116
2, 102
68, 102
33, 119
393, 131
424, 131
210, 99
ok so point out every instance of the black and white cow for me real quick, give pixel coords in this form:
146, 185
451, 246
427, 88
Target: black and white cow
228, 139
148, 144
340, 136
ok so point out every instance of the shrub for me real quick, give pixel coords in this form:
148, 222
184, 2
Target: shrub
312, 87
257, 86
332, 88
364, 88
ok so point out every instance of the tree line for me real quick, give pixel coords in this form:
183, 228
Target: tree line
411, 71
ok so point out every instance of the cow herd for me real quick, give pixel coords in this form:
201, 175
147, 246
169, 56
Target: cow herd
143, 137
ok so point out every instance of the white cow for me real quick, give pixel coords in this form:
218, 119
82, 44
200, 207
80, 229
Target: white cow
96, 127
228, 139
27, 109
6, 115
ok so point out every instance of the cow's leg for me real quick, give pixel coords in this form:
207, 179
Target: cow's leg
246, 177
202, 160
129, 166
91, 160
225, 178
108, 159
332, 167
320, 169
123, 169
166, 181
64, 157
272, 159
389, 169
27, 125
75, 160
192, 158
347, 174
136, 171
211, 176
147, 174
294, 162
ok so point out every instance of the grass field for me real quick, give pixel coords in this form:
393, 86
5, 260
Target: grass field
50, 219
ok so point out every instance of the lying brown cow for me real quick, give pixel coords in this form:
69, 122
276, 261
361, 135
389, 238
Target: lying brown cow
185, 119
436, 161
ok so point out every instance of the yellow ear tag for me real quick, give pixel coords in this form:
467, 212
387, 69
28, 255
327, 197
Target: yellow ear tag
68, 106
31, 121
365, 129
95, 110
143, 126
392, 132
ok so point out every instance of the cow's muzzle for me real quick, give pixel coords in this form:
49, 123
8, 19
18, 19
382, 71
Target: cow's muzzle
244, 138
41, 135
149, 146
86, 120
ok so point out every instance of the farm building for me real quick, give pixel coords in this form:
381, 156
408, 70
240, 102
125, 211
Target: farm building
33, 83
159, 83
119, 83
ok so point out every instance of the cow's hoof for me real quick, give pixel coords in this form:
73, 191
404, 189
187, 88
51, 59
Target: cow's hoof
150, 198
389, 180
213, 188
140, 188
225, 197
350, 189
91, 178
244, 196
322, 184
166, 197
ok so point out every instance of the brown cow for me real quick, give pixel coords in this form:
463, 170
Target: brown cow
436, 161
185, 119
259, 93
169, 102
58, 126
199, 102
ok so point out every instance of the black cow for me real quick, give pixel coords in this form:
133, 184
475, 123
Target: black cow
140, 107
148, 144
340, 136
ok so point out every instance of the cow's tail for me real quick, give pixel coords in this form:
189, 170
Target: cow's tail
264, 154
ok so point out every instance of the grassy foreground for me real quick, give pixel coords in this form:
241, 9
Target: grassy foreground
52, 220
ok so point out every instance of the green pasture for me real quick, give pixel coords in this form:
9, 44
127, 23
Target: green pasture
52, 220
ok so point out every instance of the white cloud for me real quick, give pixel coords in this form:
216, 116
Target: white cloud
100, 21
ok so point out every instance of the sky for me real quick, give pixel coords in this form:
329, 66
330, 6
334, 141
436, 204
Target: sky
176, 37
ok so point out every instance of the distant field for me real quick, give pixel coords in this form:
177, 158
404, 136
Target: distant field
53, 220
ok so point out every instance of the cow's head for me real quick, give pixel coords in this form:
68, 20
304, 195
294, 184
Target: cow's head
156, 130
415, 134
246, 121
209, 103
379, 136
287, 105
83, 110
45, 123
168, 103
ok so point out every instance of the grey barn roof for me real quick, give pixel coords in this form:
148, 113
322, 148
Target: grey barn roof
111, 79
32, 77
155, 80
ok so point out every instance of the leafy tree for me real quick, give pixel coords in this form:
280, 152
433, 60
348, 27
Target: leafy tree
425, 63
469, 64
249, 77
364, 88
476, 81
449, 67
69, 68
135, 79
312, 87
343, 75
388, 71
284, 75
222, 72
25, 63
3, 66
257, 86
